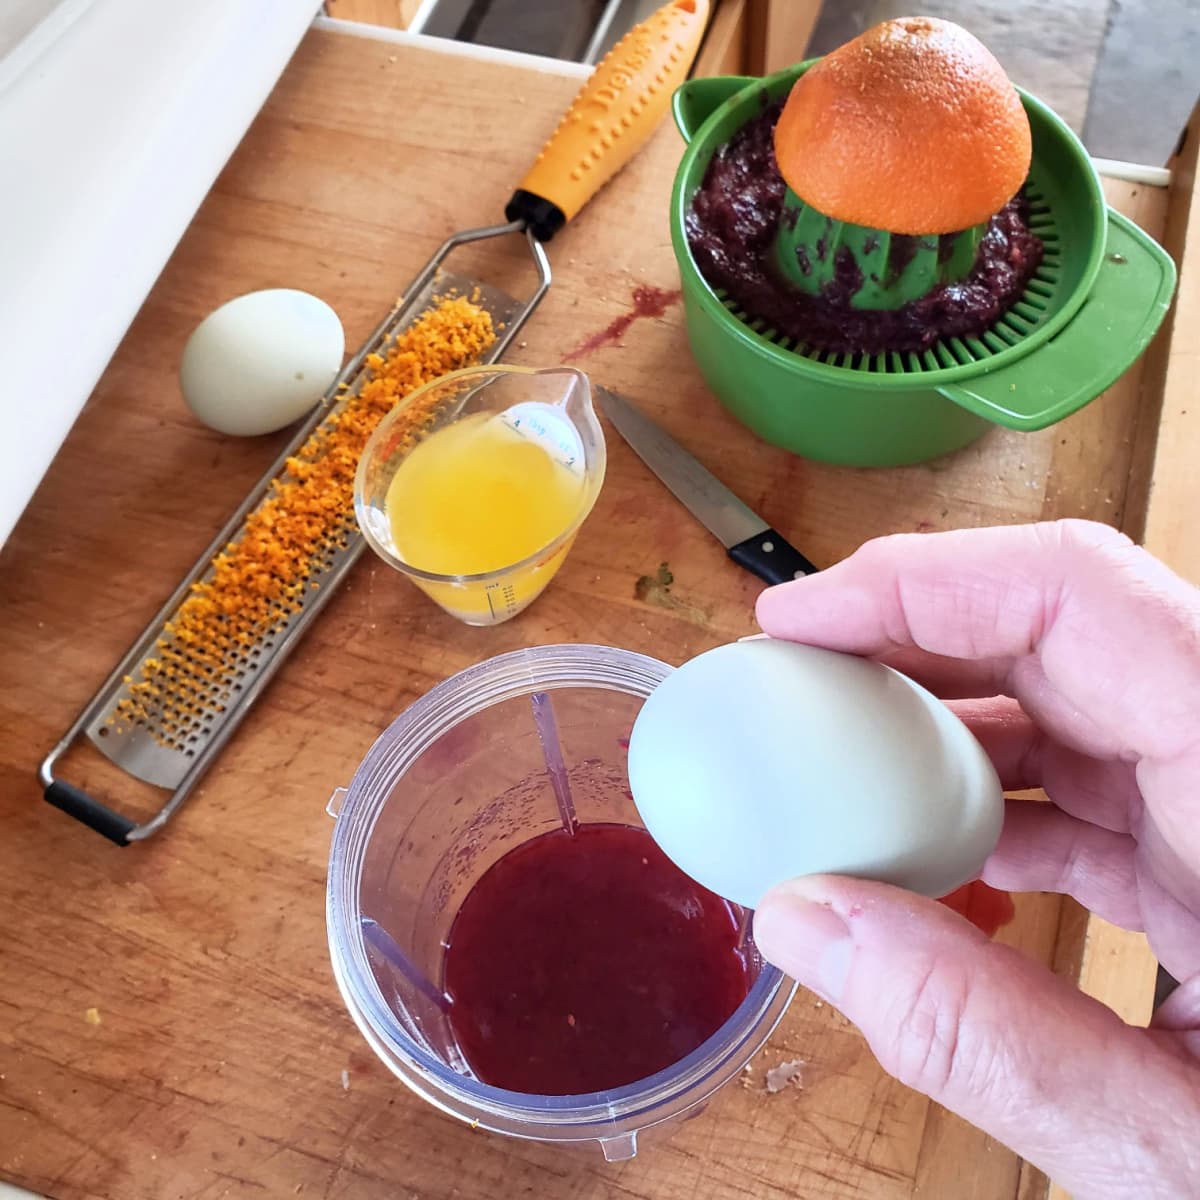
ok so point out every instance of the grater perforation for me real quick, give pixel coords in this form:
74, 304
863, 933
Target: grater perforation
167, 737
1041, 298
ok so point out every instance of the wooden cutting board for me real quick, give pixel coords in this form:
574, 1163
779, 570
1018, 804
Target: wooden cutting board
170, 1025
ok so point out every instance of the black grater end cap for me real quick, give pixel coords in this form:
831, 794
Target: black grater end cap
540, 215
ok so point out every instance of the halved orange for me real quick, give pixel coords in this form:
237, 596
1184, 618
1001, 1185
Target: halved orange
912, 127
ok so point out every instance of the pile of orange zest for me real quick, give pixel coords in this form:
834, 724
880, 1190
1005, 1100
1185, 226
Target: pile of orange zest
259, 580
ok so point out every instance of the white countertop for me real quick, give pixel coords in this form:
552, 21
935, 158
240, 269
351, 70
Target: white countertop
115, 118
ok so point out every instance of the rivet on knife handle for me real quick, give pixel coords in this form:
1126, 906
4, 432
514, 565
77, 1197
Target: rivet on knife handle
610, 119
771, 557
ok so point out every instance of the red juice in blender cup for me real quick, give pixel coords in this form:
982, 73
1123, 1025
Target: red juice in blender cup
586, 960
509, 939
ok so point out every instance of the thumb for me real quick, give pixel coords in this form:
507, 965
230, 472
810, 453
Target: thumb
990, 1034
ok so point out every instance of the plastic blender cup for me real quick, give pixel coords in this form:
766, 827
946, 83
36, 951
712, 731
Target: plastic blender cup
487, 760
551, 407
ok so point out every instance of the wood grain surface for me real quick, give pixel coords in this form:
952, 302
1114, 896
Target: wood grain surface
170, 1027
394, 14
724, 49
778, 33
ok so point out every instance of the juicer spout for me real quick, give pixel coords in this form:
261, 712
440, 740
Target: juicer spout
697, 99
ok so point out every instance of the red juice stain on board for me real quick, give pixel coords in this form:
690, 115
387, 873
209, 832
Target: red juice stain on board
587, 962
985, 907
647, 302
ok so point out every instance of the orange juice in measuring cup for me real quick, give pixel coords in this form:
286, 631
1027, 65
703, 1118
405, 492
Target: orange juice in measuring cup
475, 485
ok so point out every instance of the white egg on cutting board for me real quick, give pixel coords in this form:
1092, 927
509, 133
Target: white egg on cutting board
261, 361
763, 760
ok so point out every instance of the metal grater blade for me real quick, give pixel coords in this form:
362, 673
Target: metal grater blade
169, 740
161, 747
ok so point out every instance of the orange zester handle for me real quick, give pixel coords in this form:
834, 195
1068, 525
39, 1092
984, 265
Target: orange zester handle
610, 119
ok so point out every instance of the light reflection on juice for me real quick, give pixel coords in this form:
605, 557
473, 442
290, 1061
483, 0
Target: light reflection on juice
479, 496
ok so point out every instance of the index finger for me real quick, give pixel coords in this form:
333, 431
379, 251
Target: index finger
1097, 639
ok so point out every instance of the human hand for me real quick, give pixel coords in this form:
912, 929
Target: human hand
1075, 658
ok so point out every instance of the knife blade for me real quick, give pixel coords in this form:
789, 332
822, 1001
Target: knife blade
748, 539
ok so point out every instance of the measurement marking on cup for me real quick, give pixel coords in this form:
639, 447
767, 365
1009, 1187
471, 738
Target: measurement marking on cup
508, 599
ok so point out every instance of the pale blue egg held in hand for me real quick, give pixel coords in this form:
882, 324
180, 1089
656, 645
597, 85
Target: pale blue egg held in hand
764, 760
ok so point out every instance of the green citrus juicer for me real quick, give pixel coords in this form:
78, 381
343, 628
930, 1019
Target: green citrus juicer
1089, 310
811, 250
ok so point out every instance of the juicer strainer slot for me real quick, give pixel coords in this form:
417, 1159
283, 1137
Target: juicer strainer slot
1044, 359
1036, 304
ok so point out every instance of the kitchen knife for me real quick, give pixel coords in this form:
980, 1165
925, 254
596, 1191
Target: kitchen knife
747, 538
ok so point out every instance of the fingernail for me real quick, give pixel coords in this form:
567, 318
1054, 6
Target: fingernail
753, 637
803, 936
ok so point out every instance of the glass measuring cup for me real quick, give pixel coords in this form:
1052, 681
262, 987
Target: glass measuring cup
484, 762
550, 409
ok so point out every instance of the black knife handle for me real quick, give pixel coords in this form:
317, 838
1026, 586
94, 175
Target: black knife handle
771, 557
